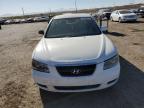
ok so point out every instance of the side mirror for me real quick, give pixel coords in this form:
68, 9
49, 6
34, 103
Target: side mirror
41, 32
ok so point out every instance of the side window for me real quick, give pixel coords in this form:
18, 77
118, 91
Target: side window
117, 12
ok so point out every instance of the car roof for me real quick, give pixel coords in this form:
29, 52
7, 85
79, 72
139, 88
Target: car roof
72, 15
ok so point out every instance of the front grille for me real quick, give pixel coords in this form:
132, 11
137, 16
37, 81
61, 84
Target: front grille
73, 71
77, 87
131, 16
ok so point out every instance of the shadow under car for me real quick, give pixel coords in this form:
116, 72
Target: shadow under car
127, 93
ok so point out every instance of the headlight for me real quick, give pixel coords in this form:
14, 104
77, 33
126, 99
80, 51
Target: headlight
38, 66
111, 62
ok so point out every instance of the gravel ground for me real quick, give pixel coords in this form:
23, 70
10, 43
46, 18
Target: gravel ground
17, 89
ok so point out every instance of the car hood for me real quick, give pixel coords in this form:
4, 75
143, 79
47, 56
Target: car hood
130, 14
74, 49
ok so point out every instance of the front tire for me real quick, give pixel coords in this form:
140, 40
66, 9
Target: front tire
111, 19
120, 20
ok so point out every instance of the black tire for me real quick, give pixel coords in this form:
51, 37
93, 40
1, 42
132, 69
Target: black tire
111, 19
120, 21
105, 32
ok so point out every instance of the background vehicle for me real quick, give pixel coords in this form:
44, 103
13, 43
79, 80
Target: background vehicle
123, 16
2, 21
141, 11
10, 21
104, 13
94, 68
17, 21
41, 19
23, 21
29, 20
134, 11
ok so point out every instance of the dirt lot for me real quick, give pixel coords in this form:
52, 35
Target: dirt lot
17, 89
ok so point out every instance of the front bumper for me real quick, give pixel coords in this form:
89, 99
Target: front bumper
100, 79
129, 19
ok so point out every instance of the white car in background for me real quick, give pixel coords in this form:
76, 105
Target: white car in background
16, 21
123, 16
41, 19
74, 56
23, 21
10, 21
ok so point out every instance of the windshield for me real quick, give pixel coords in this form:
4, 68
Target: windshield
72, 27
125, 12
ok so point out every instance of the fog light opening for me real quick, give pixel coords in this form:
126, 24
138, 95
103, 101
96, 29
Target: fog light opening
110, 82
41, 85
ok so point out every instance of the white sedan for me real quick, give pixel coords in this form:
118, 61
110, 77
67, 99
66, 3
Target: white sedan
74, 56
123, 16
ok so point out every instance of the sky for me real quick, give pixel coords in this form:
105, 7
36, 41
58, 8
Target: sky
14, 7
